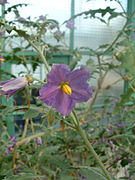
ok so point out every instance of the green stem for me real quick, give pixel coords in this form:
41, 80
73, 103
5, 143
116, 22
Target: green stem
42, 82
69, 124
44, 60
89, 146
38, 49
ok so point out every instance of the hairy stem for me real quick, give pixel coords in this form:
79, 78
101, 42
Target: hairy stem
25, 128
32, 127
38, 49
89, 146
35, 79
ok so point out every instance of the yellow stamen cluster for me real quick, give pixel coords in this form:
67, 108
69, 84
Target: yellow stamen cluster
11, 148
66, 89
2, 60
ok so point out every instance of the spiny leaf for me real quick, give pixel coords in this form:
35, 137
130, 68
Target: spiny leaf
92, 13
50, 117
31, 113
92, 173
14, 7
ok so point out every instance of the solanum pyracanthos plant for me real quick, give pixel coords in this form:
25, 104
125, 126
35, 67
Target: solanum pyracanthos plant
50, 148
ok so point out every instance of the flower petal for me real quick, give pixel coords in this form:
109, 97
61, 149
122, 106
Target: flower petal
10, 92
58, 74
64, 103
81, 94
78, 77
10, 87
81, 91
53, 96
47, 93
13, 84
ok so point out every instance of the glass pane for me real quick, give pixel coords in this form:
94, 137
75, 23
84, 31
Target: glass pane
59, 10
92, 32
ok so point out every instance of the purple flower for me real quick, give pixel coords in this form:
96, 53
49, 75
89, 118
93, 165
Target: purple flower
9, 149
1, 60
58, 35
115, 100
42, 18
18, 170
52, 26
129, 160
13, 139
64, 88
116, 160
12, 86
12, 145
39, 141
21, 20
126, 108
120, 125
80, 176
2, 2
70, 24
111, 145
104, 140
2, 33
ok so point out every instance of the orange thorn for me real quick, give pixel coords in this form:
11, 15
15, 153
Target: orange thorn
43, 121
15, 103
29, 104
62, 124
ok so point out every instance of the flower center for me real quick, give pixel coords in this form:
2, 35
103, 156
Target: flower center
11, 149
2, 60
66, 88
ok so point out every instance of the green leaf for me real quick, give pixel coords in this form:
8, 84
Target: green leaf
124, 162
114, 15
74, 61
91, 13
14, 7
8, 109
31, 113
127, 57
26, 176
9, 28
50, 117
92, 173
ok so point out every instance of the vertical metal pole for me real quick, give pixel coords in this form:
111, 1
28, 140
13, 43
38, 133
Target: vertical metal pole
130, 10
72, 31
7, 66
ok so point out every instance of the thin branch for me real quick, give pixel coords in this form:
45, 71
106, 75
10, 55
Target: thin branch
14, 157
120, 33
41, 54
25, 128
122, 7
5, 128
32, 127
29, 138
100, 82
